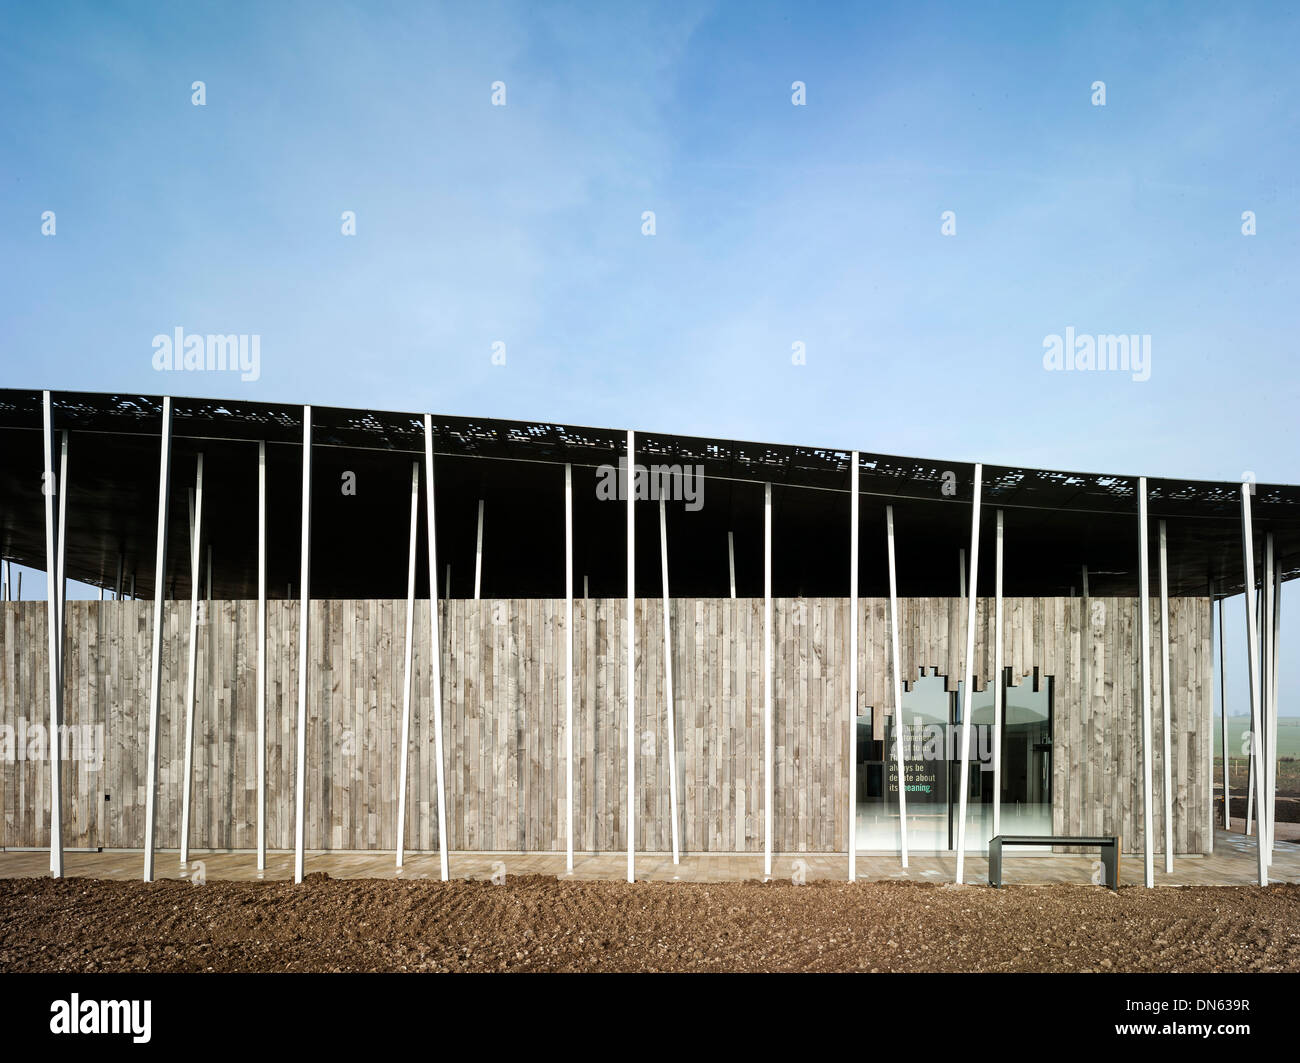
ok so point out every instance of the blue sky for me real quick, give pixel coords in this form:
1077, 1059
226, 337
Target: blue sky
775, 224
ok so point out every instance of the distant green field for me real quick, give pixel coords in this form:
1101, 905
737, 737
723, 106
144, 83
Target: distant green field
1288, 735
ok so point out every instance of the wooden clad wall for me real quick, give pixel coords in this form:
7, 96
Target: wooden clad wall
503, 705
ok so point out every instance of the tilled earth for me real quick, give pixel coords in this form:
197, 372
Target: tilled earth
536, 923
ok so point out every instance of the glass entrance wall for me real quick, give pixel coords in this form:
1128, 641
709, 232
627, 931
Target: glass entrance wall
931, 750
979, 791
927, 714
1027, 759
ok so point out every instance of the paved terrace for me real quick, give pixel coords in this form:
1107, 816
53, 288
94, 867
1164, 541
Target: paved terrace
1232, 864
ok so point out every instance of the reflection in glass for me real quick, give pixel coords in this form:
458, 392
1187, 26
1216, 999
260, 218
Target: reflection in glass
931, 741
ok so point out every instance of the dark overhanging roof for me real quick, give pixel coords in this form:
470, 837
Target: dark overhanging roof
1056, 522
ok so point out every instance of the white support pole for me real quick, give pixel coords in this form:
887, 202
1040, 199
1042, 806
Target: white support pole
62, 544
61, 559
54, 647
1266, 696
1144, 623
969, 670
261, 656
155, 668
1223, 724
997, 679
668, 681
1265, 671
1166, 701
196, 525
478, 554
731, 560
961, 572
768, 804
1273, 708
1256, 742
1252, 655
1085, 582
852, 841
1271, 578
568, 669
631, 657
435, 643
446, 585
409, 646
896, 666
304, 617
1255, 600
117, 593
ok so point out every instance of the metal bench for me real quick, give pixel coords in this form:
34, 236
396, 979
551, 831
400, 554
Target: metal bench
1109, 846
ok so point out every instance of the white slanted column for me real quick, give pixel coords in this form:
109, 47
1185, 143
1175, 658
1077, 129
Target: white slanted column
997, 678
304, 608
408, 650
668, 681
896, 667
852, 840
731, 561
155, 667
1252, 656
1166, 702
1264, 622
1217, 620
1144, 624
631, 657
54, 646
61, 544
1254, 745
261, 656
435, 643
568, 669
768, 804
968, 670
1273, 702
1272, 581
196, 526
478, 555
1266, 755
